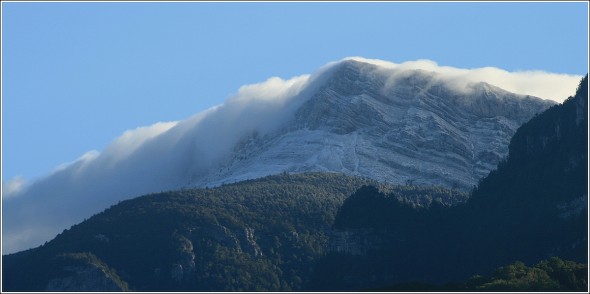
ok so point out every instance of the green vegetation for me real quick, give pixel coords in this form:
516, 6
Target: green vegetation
552, 274
548, 275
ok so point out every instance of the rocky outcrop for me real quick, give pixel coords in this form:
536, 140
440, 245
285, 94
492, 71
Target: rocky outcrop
185, 261
240, 239
220, 234
250, 245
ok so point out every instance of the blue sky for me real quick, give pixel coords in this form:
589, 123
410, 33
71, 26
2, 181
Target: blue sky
77, 75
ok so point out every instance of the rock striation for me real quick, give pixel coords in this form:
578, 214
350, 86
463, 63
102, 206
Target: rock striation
413, 128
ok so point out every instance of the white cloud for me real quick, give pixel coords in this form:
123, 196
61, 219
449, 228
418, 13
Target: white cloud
86, 157
275, 90
133, 139
553, 86
167, 155
13, 186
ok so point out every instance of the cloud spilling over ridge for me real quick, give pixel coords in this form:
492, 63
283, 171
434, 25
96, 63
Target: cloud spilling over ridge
556, 87
170, 155
160, 157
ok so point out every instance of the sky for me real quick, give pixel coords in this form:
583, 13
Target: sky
75, 76
103, 102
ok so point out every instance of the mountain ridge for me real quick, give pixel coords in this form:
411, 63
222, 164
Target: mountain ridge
356, 111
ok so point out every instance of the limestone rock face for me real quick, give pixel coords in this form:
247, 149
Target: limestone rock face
408, 129
250, 243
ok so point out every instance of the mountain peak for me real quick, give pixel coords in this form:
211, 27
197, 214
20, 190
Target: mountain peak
400, 127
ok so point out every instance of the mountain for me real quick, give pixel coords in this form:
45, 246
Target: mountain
257, 235
304, 232
397, 125
532, 207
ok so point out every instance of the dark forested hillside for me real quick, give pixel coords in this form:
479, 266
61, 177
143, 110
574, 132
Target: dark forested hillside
257, 235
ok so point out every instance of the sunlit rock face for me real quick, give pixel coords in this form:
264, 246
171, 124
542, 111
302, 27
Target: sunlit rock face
411, 128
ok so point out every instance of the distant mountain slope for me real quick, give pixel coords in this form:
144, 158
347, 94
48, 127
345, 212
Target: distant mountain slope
534, 206
257, 235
